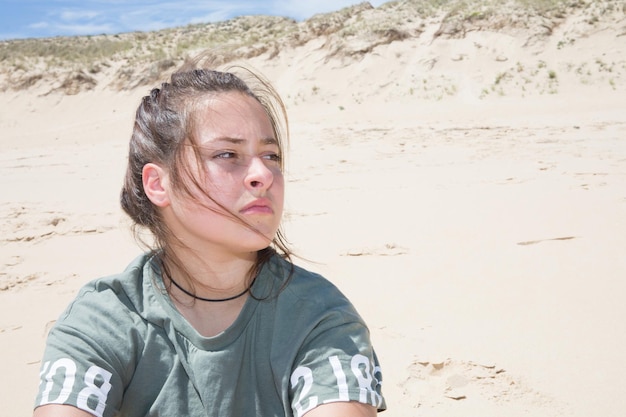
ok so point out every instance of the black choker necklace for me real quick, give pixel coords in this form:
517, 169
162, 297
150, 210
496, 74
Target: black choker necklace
211, 300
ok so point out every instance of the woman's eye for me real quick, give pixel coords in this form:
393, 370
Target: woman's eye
273, 157
225, 155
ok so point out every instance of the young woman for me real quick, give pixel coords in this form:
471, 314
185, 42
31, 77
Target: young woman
214, 320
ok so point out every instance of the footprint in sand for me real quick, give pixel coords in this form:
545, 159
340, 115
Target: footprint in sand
31, 224
10, 281
443, 383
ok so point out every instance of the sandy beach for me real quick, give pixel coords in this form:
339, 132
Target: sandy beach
467, 193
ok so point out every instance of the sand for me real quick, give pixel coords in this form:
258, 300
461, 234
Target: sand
482, 236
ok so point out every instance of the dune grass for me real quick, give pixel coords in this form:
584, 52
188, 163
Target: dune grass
141, 57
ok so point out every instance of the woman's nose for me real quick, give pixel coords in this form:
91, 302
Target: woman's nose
259, 175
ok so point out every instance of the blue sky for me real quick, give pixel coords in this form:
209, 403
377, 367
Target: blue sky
46, 18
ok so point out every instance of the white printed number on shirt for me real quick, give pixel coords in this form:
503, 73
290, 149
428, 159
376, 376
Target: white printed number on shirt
95, 385
364, 372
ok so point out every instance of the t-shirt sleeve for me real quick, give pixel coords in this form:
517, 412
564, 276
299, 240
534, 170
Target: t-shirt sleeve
85, 359
337, 363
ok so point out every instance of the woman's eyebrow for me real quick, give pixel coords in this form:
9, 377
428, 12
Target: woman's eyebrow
228, 139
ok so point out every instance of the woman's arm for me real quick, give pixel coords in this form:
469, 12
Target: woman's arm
60, 410
342, 409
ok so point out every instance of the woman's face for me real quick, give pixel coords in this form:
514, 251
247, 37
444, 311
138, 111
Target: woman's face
240, 163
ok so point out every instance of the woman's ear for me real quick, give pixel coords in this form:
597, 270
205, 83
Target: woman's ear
155, 184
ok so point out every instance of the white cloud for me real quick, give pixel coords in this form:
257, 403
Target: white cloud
76, 21
85, 29
217, 16
304, 9
82, 29
169, 14
71, 15
86, 17
39, 25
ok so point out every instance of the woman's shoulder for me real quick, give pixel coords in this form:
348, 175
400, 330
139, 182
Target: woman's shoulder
310, 294
302, 283
102, 332
110, 297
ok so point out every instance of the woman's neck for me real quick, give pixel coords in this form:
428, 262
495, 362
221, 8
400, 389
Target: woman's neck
209, 277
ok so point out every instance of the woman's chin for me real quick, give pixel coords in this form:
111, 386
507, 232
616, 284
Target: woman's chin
254, 242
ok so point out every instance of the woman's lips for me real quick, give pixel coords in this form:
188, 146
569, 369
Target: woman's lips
259, 206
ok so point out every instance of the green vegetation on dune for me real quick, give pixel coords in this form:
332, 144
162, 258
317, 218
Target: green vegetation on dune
138, 58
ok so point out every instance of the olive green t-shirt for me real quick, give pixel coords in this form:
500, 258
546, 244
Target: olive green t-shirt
122, 349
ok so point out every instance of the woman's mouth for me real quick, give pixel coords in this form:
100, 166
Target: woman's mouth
259, 206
